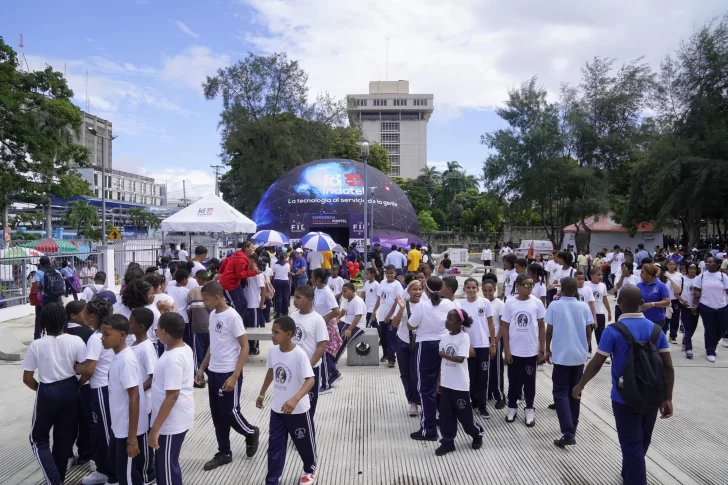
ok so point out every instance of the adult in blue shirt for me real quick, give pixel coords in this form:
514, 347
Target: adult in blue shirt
634, 427
569, 328
676, 256
299, 269
641, 254
67, 271
655, 295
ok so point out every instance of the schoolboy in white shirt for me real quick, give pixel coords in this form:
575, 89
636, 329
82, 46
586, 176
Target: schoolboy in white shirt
173, 404
255, 295
224, 363
126, 403
140, 322
385, 307
289, 369
311, 333
352, 323
369, 294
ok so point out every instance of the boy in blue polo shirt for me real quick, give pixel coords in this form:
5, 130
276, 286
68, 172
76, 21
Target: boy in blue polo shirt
634, 428
569, 328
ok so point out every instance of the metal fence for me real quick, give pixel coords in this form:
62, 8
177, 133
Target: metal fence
17, 273
144, 252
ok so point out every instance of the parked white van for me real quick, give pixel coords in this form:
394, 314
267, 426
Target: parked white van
542, 247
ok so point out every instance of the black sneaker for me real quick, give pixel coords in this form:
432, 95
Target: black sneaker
251, 442
484, 412
673, 340
390, 364
477, 442
500, 404
383, 359
564, 442
220, 459
552, 406
418, 436
445, 449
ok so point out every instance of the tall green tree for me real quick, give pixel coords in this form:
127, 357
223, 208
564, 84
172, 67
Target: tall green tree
82, 217
268, 124
346, 143
38, 124
427, 222
684, 170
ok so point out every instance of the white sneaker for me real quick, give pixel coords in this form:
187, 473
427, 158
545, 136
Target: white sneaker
92, 465
725, 342
511, 415
73, 461
412, 409
308, 479
608, 361
96, 478
711, 358
530, 417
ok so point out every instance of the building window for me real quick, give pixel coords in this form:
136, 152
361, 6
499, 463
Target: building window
123, 197
361, 102
421, 102
380, 102
390, 137
96, 180
391, 148
400, 102
388, 126
395, 171
118, 196
394, 160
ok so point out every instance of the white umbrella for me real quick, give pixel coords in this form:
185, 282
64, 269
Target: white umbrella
318, 241
270, 238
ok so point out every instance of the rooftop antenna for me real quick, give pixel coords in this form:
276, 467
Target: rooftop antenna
22, 53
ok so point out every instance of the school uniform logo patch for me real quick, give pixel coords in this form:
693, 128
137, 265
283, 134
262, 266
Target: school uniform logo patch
451, 350
280, 374
484, 365
529, 370
300, 433
481, 311
596, 295
384, 296
461, 403
523, 319
218, 326
299, 334
581, 297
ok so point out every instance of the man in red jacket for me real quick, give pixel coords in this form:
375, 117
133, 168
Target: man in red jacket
232, 276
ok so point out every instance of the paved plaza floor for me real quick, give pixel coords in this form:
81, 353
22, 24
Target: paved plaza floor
363, 434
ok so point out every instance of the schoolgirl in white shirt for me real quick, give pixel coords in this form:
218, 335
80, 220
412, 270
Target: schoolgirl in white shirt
173, 403
601, 303
54, 355
624, 279
709, 296
482, 344
564, 259
509, 274
674, 282
325, 304
405, 344
428, 319
455, 384
538, 275
688, 312
524, 340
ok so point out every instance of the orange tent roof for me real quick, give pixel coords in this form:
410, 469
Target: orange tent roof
605, 223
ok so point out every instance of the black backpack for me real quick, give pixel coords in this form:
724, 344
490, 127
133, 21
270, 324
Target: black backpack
53, 284
643, 383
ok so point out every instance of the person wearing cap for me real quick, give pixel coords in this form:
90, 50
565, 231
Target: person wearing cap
299, 268
614, 260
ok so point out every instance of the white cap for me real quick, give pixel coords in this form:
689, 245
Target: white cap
299, 250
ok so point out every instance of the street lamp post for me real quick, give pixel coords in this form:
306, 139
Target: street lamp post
365, 156
93, 131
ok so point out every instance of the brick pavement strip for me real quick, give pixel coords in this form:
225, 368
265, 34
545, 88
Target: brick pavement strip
362, 436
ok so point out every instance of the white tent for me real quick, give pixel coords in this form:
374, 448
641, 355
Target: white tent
209, 214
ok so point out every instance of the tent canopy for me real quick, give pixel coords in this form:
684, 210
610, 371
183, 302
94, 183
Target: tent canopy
209, 214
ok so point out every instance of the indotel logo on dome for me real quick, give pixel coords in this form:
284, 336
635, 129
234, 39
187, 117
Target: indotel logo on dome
343, 184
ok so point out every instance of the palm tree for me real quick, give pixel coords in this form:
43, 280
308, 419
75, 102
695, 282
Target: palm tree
430, 176
137, 215
81, 216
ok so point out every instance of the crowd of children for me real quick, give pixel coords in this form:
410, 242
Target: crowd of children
118, 381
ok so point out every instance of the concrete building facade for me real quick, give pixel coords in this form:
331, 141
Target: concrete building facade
126, 187
397, 120
103, 128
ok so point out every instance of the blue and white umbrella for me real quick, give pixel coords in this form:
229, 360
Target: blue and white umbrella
318, 241
270, 238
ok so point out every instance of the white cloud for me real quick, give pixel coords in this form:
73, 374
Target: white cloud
110, 89
468, 53
193, 65
198, 182
185, 30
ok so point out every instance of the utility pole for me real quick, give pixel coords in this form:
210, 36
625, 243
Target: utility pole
184, 194
217, 178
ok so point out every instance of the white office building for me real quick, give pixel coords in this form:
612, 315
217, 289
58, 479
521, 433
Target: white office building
397, 120
125, 187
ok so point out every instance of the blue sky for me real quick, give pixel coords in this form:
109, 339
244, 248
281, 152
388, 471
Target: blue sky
146, 59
